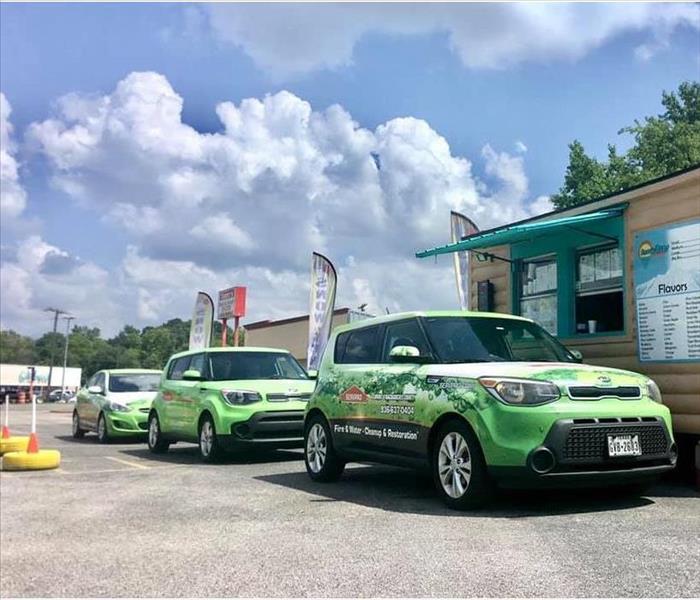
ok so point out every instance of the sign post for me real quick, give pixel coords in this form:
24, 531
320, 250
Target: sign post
232, 305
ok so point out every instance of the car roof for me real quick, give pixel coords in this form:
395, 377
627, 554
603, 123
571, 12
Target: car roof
230, 349
425, 313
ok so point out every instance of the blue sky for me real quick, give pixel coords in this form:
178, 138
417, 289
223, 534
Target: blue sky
570, 73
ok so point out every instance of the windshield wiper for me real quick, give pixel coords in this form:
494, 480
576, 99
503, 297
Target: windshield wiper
467, 360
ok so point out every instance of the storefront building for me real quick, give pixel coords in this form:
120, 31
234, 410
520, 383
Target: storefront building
617, 279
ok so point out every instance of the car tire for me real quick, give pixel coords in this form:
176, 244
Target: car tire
78, 432
156, 443
209, 449
320, 457
102, 430
459, 469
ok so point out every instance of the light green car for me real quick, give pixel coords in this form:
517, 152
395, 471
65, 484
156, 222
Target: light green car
115, 403
230, 398
481, 399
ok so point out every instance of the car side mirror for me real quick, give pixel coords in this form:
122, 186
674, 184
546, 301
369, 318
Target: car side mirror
407, 354
312, 373
96, 389
578, 357
192, 375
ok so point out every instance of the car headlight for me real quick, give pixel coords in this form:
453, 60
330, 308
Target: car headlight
118, 407
521, 392
240, 397
653, 391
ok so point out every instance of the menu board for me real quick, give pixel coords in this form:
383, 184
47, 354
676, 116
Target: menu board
667, 288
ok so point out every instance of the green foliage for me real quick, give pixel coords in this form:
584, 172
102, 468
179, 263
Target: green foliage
148, 348
16, 349
663, 144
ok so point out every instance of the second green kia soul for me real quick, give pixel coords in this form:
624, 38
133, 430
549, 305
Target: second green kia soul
229, 398
479, 399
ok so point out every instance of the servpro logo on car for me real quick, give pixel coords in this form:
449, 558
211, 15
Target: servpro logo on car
354, 394
647, 249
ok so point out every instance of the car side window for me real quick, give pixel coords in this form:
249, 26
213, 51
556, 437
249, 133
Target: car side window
361, 346
100, 380
198, 363
179, 366
404, 333
91, 381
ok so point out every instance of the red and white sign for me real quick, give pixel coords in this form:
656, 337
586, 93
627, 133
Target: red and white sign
354, 394
231, 303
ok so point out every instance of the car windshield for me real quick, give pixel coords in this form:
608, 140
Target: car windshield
229, 366
134, 382
487, 339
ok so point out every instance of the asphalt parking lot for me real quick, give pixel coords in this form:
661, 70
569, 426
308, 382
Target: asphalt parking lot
117, 521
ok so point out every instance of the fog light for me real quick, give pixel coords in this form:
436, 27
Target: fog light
542, 460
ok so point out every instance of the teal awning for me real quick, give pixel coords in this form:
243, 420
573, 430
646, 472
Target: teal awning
510, 234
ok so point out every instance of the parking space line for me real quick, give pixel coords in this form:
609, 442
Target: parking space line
127, 462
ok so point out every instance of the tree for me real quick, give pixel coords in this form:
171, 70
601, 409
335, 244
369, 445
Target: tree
16, 348
663, 144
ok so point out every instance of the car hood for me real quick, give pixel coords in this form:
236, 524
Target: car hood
559, 373
265, 386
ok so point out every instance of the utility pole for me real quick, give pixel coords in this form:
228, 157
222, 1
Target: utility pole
56, 312
67, 319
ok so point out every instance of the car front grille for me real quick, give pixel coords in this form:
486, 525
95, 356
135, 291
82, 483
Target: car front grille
288, 397
589, 443
586, 392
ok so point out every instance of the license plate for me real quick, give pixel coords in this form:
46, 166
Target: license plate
624, 445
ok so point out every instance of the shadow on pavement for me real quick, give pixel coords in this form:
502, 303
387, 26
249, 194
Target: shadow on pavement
91, 439
406, 491
189, 454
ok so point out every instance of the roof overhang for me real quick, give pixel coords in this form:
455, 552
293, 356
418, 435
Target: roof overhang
510, 234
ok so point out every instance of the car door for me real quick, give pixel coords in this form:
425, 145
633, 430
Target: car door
82, 403
97, 399
191, 397
171, 412
357, 366
398, 391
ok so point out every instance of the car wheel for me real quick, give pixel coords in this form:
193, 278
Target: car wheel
321, 459
78, 433
156, 443
209, 449
459, 468
102, 432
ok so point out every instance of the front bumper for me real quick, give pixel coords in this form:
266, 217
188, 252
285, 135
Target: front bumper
134, 422
281, 429
574, 453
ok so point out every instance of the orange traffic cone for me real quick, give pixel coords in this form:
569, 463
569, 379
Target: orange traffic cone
33, 445
5, 432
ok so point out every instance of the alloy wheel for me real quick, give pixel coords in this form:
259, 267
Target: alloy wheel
454, 465
316, 447
101, 428
153, 432
206, 438
76, 424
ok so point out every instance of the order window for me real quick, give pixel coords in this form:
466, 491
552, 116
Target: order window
538, 292
599, 300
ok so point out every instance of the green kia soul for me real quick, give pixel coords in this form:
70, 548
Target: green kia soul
229, 398
481, 399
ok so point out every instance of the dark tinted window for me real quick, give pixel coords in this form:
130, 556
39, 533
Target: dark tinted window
232, 366
134, 382
179, 366
360, 346
470, 339
404, 333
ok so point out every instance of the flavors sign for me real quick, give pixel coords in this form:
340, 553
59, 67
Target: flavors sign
667, 292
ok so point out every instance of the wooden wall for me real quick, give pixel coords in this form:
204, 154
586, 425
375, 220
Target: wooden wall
671, 201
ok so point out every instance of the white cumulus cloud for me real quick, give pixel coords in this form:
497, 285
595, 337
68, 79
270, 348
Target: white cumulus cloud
13, 197
296, 38
247, 204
